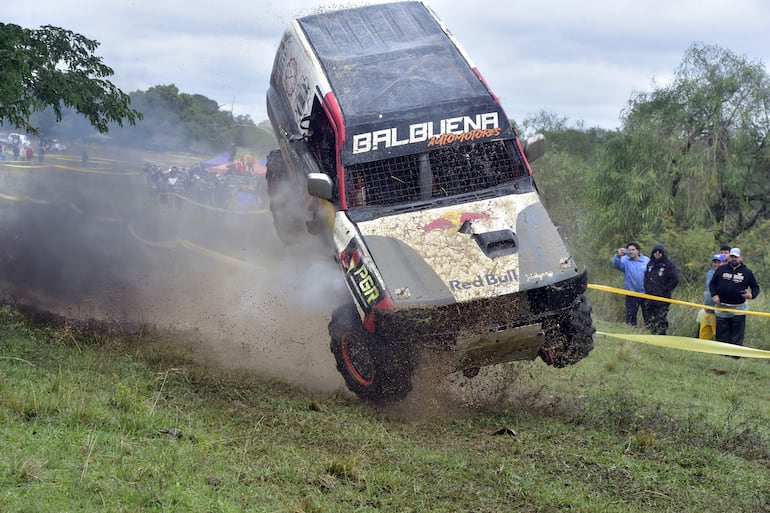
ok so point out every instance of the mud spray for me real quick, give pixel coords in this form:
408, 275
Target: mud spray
98, 244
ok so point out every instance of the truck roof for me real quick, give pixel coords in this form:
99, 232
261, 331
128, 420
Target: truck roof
391, 57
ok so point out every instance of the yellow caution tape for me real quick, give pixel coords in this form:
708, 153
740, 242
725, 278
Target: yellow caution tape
216, 209
186, 244
625, 292
95, 171
155, 244
78, 169
69, 204
196, 248
684, 343
23, 199
212, 254
691, 344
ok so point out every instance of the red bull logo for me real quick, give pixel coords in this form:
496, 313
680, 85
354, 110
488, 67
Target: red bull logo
453, 220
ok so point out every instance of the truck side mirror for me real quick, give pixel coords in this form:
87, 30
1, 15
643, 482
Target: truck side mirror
534, 148
320, 185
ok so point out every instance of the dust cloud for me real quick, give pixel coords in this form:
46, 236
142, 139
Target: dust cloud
95, 244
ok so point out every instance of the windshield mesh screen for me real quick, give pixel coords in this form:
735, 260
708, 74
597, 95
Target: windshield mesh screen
443, 172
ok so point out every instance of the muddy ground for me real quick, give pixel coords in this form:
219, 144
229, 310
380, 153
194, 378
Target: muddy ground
92, 243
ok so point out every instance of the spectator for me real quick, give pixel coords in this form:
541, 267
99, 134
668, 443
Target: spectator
630, 261
660, 279
251, 161
732, 284
706, 317
232, 152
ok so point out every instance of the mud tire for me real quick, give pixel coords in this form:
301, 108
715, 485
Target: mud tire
570, 338
283, 199
375, 369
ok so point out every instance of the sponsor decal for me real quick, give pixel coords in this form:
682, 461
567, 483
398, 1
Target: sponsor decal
366, 285
453, 220
734, 277
301, 98
486, 280
445, 131
463, 137
537, 276
290, 76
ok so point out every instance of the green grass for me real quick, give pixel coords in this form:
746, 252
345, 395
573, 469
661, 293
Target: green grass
104, 422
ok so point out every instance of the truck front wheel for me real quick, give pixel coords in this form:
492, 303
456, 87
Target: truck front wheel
569, 339
373, 368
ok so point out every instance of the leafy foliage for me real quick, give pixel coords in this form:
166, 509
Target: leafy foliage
690, 168
561, 176
182, 121
56, 68
693, 153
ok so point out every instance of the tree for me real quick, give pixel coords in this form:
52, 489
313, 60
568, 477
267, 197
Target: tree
54, 67
693, 154
182, 121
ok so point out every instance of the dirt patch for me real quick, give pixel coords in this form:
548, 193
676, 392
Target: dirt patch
96, 246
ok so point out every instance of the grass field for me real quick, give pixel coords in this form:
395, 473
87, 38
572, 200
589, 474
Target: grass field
148, 418
105, 422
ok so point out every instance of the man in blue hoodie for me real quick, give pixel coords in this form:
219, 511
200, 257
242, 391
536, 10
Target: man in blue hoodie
660, 279
630, 261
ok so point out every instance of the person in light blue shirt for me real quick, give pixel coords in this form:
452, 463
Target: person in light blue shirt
630, 261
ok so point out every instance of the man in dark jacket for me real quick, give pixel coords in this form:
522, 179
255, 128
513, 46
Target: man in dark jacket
732, 284
660, 279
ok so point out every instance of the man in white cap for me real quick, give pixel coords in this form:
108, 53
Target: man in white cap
731, 286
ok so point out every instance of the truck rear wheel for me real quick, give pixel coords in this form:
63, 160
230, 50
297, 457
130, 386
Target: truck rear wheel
373, 368
569, 339
284, 207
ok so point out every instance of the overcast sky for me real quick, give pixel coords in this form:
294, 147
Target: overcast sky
579, 60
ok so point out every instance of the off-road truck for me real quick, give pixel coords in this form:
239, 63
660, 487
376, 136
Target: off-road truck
394, 149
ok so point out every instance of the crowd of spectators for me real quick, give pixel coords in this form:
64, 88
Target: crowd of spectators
197, 185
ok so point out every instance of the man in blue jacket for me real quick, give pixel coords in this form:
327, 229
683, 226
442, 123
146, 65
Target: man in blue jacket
730, 287
630, 261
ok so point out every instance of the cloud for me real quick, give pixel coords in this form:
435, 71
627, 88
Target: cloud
580, 60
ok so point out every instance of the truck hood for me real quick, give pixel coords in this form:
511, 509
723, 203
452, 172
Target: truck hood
464, 252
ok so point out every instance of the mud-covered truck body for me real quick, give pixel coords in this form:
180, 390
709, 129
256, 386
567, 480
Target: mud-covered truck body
394, 149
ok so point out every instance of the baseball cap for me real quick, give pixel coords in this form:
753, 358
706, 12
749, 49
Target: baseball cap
735, 252
718, 256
